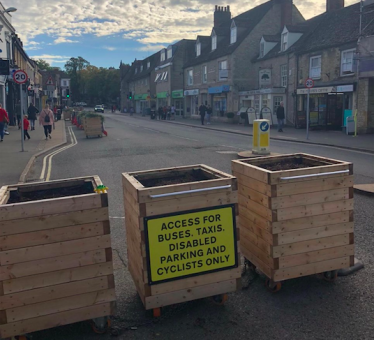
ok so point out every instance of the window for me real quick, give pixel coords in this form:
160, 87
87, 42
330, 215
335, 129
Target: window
158, 77
347, 62
205, 74
136, 70
170, 52
141, 68
214, 41
233, 33
284, 76
190, 77
222, 65
64, 83
284, 41
148, 64
198, 49
262, 49
315, 67
8, 50
222, 70
162, 56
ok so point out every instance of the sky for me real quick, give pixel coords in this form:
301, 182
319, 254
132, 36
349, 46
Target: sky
105, 32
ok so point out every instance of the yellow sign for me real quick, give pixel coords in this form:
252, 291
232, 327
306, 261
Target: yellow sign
191, 243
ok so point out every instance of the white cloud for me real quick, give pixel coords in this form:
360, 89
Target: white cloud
151, 48
51, 58
160, 22
110, 48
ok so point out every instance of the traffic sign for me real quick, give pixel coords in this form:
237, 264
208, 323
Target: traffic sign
49, 81
309, 83
20, 77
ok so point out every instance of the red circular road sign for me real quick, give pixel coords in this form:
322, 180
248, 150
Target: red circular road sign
309, 83
20, 77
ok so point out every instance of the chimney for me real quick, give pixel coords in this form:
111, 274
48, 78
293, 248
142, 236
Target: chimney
286, 7
222, 15
333, 5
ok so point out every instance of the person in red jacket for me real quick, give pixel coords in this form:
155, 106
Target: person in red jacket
4, 119
26, 127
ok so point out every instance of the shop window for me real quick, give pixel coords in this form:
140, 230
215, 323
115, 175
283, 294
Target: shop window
198, 49
284, 76
190, 77
205, 74
222, 70
347, 62
214, 41
315, 67
233, 33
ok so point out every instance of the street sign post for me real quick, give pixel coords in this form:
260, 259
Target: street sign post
309, 83
20, 77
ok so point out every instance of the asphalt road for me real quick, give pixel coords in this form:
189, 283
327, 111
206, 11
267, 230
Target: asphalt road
305, 308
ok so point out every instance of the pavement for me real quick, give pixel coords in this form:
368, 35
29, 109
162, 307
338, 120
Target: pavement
318, 137
14, 163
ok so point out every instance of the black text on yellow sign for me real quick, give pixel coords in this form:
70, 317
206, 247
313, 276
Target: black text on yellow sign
191, 243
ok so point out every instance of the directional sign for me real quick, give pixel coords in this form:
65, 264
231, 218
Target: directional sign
309, 83
20, 77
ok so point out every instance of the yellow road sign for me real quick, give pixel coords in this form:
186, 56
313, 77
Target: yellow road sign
190, 243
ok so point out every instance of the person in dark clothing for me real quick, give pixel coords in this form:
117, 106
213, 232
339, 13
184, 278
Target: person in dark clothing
280, 117
32, 111
202, 111
160, 112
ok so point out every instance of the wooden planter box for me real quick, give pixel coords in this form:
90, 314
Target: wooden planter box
155, 208
93, 127
55, 255
67, 114
296, 222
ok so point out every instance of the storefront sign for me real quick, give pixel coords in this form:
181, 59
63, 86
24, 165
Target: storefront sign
344, 88
280, 90
265, 77
177, 94
316, 90
140, 96
190, 243
191, 92
219, 89
163, 94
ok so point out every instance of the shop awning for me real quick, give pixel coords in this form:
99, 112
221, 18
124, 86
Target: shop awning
177, 94
141, 96
162, 94
219, 89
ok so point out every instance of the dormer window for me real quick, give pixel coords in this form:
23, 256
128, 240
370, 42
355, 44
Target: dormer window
214, 41
262, 49
198, 48
284, 41
163, 55
233, 33
170, 52
141, 68
148, 64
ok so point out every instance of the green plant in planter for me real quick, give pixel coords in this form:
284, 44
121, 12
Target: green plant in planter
230, 115
90, 114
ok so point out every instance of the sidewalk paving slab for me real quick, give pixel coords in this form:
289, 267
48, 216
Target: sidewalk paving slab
14, 163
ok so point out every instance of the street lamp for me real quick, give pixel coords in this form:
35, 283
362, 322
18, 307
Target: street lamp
10, 9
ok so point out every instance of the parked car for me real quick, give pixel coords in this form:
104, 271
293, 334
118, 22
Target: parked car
99, 108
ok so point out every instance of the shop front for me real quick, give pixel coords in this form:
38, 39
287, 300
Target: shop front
192, 102
329, 107
219, 99
162, 99
141, 103
178, 101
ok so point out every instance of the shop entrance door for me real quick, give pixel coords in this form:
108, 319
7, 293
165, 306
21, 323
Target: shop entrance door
178, 107
335, 105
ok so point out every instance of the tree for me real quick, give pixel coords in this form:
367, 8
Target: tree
43, 65
73, 68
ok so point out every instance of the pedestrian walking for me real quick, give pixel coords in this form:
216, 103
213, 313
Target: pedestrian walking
173, 112
26, 127
55, 113
202, 111
4, 119
32, 111
280, 117
46, 119
160, 112
208, 114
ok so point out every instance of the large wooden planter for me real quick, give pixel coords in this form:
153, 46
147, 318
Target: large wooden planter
55, 255
296, 222
153, 206
93, 127
66, 114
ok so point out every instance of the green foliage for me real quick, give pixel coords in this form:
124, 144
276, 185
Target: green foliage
90, 114
44, 65
230, 115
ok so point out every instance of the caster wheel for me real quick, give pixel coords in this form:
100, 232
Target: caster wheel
272, 286
219, 299
156, 312
101, 330
330, 276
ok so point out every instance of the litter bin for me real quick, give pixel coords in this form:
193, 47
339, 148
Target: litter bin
58, 114
153, 114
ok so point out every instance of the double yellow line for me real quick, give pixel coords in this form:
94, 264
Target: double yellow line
47, 160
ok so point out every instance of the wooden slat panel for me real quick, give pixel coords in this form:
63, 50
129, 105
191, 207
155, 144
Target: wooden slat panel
251, 183
264, 268
309, 198
314, 185
311, 245
54, 250
256, 208
314, 209
200, 280
259, 221
55, 320
49, 207
51, 236
311, 222
190, 203
59, 220
252, 227
246, 234
258, 253
315, 233
316, 256
53, 292
254, 196
58, 277
310, 269
239, 166
189, 294
52, 264
54, 184
60, 305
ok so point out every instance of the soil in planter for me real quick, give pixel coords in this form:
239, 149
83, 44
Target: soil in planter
288, 164
175, 177
37, 195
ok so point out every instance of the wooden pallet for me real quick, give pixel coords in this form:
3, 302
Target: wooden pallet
292, 226
140, 206
55, 258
